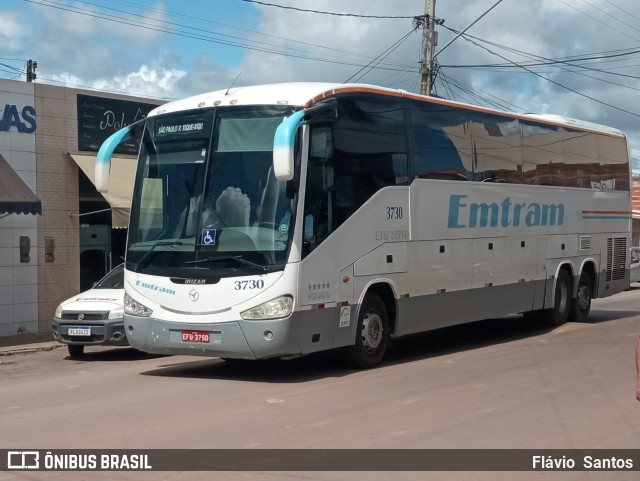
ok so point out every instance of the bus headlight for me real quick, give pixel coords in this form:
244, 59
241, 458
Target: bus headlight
275, 309
134, 308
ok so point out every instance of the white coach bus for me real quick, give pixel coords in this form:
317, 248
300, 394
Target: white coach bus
280, 220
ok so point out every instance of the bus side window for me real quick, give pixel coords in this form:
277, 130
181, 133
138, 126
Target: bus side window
442, 143
365, 151
497, 148
542, 154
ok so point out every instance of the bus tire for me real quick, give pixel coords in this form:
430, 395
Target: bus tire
372, 334
562, 301
75, 350
581, 305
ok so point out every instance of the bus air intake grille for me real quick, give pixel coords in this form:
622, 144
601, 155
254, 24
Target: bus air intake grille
585, 243
616, 258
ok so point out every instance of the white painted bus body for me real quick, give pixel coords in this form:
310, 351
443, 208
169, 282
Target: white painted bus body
447, 252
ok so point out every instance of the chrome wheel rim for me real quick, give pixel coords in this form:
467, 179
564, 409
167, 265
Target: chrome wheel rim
372, 331
583, 297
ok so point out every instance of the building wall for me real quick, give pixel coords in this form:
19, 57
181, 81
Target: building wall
57, 180
30, 292
18, 281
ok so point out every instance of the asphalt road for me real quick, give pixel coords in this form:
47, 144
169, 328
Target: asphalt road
502, 383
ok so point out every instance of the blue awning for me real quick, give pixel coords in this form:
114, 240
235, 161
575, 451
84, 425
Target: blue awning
15, 196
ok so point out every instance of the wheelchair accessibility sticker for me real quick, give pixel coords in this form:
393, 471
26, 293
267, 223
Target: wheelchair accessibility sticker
209, 237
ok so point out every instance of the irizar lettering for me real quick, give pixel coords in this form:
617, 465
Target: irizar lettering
465, 214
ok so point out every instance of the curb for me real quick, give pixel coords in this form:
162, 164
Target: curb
14, 350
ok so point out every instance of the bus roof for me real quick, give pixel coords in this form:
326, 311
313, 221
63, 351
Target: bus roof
305, 94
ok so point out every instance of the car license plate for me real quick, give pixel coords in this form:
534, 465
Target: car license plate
195, 336
79, 331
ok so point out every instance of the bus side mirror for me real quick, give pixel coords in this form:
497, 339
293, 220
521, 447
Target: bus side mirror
283, 146
103, 159
285, 136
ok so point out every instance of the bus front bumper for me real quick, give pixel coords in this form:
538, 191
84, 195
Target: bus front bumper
235, 339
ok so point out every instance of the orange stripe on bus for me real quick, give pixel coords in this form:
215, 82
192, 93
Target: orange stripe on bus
621, 212
434, 100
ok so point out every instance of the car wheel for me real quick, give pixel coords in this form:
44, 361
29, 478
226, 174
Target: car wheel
75, 350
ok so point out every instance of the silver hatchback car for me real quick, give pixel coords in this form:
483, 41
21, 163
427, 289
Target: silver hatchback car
94, 317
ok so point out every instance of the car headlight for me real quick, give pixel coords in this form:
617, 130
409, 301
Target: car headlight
275, 309
58, 313
134, 308
117, 313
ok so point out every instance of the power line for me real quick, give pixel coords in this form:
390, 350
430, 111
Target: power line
552, 81
547, 61
11, 67
234, 27
331, 13
609, 15
382, 56
443, 80
172, 31
623, 10
560, 62
120, 20
599, 21
196, 29
568, 61
486, 97
12, 72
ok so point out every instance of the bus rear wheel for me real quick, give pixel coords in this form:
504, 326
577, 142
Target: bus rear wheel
372, 334
582, 303
562, 301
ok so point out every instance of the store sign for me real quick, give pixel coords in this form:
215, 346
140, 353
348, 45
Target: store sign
99, 117
23, 120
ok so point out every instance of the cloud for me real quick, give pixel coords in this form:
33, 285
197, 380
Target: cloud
12, 32
146, 82
85, 46
117, 55
335, 48
205, 76
551, 29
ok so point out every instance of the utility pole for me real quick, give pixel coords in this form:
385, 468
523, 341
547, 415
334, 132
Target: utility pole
429, 42
31, 70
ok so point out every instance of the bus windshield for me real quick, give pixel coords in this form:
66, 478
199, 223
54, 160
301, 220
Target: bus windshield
206, 203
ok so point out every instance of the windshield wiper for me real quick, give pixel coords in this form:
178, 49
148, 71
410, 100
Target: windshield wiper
147, 255
237, 258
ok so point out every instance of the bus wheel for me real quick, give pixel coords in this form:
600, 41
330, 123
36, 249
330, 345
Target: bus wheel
559, 313
582, 303
372, 333
75, 350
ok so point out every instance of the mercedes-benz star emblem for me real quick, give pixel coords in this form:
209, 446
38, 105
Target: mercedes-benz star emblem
193, 295
80, 317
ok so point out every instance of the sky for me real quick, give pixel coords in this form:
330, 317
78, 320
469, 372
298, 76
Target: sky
581, 58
